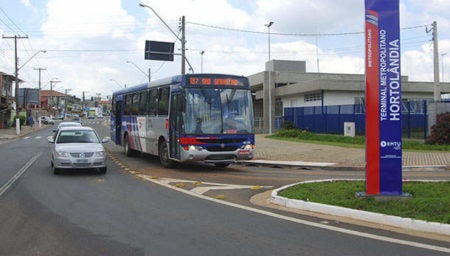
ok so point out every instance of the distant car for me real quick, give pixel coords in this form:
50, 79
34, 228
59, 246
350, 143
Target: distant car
77, 120
77, 148
47, 120
91, 117
66, 124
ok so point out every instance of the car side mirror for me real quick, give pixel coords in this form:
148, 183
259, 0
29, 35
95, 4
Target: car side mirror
105, 140
50, 139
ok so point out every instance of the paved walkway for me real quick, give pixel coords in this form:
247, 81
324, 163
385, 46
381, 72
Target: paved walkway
271, 151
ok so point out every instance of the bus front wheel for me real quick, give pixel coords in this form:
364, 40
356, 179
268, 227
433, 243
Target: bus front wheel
164, 155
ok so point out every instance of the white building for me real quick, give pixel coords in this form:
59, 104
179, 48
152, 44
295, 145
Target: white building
292, 86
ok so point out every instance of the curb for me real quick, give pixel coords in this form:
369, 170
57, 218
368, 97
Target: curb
377, 218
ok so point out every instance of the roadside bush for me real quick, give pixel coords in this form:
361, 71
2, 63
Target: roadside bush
440, 132
22, 119
288, 125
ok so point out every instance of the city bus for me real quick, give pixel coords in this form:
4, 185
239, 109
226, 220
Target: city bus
186, 118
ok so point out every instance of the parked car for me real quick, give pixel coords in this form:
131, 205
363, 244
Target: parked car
47, 120
77, 148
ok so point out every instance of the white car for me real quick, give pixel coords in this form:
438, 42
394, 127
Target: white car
77, 148
66, 124
47, 120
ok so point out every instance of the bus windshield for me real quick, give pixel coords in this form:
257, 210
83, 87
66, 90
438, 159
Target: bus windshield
217, 111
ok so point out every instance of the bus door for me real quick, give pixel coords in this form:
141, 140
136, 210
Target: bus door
176, 120
118, 122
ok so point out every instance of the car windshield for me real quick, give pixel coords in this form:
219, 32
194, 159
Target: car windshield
77, 136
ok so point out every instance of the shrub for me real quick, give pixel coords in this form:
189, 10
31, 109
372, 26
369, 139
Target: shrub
22, 119
288, 125
440, 132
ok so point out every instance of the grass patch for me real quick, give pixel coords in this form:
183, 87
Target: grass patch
430, 200
345, 141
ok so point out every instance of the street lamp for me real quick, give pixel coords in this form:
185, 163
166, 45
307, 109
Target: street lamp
17, 89
201, 62
53, 81
268, 25
65, 103
443, 72
118, 83
146, 75
182, 39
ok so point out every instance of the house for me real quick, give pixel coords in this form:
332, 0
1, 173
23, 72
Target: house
292, 86
6, 99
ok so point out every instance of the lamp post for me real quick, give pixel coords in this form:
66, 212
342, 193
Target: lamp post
268, 25
17, 86
443, 71
53, 81
40, 105
147, 75
65, 102
182, 39
118, 83
201, 61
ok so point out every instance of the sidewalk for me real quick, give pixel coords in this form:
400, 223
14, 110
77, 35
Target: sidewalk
10, 133
271, 151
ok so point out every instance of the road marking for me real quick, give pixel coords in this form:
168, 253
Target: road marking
18, 174
203, 187
166, 183
26, 138
38, 137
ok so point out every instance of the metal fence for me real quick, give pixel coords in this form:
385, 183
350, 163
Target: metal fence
331, 119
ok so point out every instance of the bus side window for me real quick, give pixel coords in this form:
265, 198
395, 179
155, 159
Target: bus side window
163, 102
128, 104
142, 100
152, 102
135, 109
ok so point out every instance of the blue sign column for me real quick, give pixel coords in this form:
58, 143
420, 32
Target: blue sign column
383, 98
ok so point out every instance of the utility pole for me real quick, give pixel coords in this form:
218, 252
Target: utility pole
437, 86
40, 69
17, 78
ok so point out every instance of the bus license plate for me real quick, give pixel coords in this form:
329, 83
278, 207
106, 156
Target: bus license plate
244, 152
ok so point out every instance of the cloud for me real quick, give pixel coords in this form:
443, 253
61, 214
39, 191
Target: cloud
86, 19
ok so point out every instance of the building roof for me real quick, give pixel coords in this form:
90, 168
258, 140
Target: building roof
10, 77
53, 93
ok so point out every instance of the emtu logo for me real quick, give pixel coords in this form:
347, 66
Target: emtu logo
394, 144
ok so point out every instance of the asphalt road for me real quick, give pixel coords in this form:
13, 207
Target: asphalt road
121, 213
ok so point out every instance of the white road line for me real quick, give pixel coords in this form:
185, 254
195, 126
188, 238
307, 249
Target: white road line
38, 137
18, 174
163, 182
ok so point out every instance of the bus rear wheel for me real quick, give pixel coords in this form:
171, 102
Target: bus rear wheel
164, 155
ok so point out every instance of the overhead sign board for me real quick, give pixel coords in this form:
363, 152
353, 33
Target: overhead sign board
383, 98
156, 50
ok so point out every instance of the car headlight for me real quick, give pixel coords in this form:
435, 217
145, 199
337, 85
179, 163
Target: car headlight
62, 154
100, 153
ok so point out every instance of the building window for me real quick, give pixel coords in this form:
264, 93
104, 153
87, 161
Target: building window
313, 97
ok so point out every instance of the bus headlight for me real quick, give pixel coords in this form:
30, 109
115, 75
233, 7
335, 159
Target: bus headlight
194, 148
247, 147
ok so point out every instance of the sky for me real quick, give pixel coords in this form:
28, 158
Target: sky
97, 46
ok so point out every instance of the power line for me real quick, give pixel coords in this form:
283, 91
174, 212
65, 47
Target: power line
291, 34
